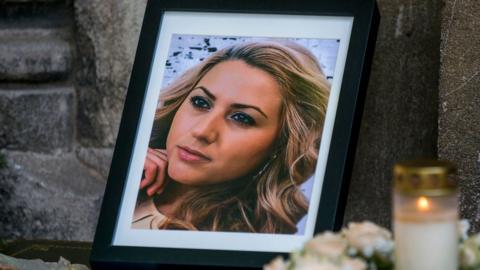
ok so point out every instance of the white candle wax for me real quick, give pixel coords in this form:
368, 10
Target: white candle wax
425, 216
426, 245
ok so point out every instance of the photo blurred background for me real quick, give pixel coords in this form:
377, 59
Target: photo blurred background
186, 51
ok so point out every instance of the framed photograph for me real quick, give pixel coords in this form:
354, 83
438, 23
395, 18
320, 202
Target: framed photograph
238, 135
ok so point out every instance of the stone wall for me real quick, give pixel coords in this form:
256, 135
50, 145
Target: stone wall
459, 104
400, 115
106, 35
64, 70
45, 191
35, 54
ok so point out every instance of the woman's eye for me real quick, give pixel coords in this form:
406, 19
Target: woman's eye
200, 103
243, 118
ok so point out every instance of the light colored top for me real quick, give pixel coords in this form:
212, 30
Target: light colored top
147, 216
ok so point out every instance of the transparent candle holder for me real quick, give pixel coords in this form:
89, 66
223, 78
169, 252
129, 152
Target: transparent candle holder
425, 216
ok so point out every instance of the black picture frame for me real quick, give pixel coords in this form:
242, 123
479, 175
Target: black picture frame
339, 163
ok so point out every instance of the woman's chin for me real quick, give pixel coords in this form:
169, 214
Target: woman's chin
186, 181
185, 177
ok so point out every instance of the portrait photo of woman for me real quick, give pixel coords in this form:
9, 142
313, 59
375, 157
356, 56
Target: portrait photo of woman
234, 138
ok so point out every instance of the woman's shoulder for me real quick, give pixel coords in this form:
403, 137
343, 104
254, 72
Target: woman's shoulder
147, 216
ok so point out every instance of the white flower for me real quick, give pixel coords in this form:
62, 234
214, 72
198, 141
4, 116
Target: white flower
354, 264
368, 238
463, 227
470, 252
476, 239
327, 244
312, 262
276, 264
467, 256
309, 262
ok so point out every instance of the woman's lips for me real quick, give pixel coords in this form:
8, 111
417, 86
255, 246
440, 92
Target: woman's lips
188, 154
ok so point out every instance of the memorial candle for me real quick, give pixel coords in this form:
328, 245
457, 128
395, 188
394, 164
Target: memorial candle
425, 216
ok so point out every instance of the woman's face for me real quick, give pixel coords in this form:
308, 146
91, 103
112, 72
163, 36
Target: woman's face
226, 127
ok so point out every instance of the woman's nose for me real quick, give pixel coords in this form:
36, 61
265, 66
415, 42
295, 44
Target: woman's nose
207, 129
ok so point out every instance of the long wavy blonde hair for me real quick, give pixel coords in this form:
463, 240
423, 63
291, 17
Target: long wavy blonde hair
267, 200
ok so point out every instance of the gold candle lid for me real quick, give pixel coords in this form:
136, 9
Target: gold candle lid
425, 177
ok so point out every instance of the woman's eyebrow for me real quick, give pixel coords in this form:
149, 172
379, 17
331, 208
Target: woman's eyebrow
245, 106
207, 92
235, 105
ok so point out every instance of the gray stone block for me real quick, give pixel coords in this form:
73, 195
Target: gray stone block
400, 116
459, 104
98, 159
45, 14
32, 1
106, 34
12, 263
48, 197
34, 55
40, 120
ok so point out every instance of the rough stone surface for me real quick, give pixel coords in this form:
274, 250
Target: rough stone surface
459, 106
400, 116
98, 159
35, 13
46, 59
48, 197
11, 263
40, 120
31, 1
106, 36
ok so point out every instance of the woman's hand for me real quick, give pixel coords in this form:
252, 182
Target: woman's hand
155, 171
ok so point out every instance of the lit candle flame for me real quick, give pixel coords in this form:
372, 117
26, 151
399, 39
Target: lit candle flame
423, 204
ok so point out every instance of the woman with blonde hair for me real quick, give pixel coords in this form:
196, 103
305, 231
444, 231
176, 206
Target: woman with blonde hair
233, 139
